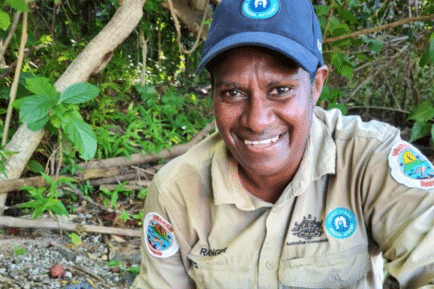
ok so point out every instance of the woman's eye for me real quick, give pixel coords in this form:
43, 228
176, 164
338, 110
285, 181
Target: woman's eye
280, 90
232, 95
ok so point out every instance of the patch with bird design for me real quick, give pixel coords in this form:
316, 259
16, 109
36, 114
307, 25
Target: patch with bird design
410, 167
159, 236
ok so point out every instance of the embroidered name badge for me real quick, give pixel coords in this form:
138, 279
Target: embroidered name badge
260, 9
341, 223
159, 236
410, 167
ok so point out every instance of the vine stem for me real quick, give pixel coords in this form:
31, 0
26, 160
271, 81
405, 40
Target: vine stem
14, 86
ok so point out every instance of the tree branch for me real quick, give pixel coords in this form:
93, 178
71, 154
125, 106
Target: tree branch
379, 28
23, 223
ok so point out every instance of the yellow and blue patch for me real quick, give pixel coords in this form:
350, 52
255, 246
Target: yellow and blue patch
410, 167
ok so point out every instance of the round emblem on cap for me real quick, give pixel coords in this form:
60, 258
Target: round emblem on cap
260, 9
341, 223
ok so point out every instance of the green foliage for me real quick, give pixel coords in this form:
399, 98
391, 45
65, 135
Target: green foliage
5, 20
3, 157
125, 216
422, 114
18, 250
19, 5
41, 203
75, 239
48, 105
113, 195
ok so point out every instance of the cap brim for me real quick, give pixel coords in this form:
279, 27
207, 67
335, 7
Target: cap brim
290, 48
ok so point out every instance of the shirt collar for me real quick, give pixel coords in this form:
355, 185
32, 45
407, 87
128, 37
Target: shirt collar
319, 159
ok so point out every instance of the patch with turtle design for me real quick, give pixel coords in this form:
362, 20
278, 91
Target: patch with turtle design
159, 236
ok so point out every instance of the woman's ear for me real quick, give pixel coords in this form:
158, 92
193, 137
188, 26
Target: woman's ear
318, 83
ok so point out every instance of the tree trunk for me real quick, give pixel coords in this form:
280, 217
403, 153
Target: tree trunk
190, 13
93, 58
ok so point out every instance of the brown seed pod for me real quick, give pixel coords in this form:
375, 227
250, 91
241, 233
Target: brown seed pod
57, 271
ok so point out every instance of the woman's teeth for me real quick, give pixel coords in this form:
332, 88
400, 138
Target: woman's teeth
262, 142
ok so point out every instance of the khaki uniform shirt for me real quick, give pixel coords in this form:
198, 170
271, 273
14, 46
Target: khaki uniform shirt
344, 207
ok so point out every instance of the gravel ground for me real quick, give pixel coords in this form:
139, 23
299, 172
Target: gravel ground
26, 258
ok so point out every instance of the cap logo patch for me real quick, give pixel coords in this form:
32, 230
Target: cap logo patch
319, 44
159, 236
410, 167
260, 9
341, 223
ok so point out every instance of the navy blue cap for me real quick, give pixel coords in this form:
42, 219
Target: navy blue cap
288, 26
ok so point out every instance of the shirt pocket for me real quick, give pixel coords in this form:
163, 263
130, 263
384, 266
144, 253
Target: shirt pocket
209, 274
340, 270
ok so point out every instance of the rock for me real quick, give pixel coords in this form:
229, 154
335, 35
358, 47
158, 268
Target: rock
57, 271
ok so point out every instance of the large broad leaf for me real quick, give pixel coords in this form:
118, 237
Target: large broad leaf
420, 130
79, 92
82, 136
35, 107
42, 86
423, 112
19, 5
37, 125
5, 20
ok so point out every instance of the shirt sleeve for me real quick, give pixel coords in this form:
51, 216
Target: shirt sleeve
399, 213
166, 270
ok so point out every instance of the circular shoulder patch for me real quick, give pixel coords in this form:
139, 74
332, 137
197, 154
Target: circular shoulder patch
159, 236
260, 9
410, 167
341, 223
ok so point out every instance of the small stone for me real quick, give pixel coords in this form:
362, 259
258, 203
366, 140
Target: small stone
78, 259
92, 256
104, 257
68, 275
57, 271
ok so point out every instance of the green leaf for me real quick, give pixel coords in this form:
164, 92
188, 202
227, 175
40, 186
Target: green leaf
37, 125
426, 56
375, 45
35, 166
339, 106
19, 5
35, 107
82, 136
5, 20
57, 207
41, 86
322, 10
420, 130
79, 92
342, 64
422, 113
347, 15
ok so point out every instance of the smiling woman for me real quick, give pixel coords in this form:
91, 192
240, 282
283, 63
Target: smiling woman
263, 109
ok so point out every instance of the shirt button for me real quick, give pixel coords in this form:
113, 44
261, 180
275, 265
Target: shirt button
269, 265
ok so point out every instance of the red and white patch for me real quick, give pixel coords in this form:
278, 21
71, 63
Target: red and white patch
159, 236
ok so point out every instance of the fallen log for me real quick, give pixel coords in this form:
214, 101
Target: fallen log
109, 170
40, 224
